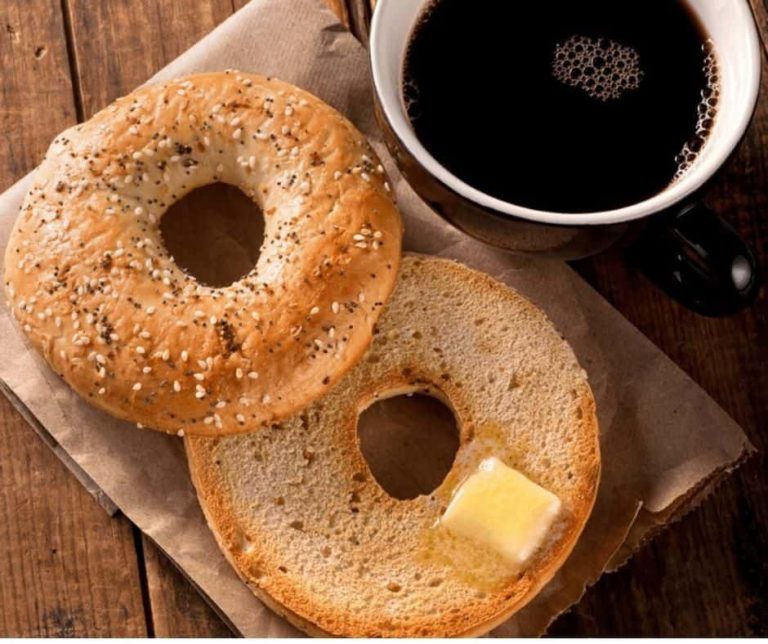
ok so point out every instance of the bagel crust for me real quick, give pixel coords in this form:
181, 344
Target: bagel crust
298, 513
91, 284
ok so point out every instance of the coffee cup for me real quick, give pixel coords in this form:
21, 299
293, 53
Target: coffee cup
678, 242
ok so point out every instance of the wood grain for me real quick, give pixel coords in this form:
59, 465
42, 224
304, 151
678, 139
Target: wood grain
66, 568
178, 610
119, 44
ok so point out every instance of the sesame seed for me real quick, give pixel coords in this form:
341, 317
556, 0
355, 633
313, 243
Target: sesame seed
238, 373
146, 370
237, 133
208, 420
199, 394
337, 175
335, 307
240, 418
180, 433
184, 356
137, 386
314, 310
202, 364
365, 176
266, 399
253, 375
141, 350
151, 310
235, 121
221, 404
102, 391
166, 354
138, 211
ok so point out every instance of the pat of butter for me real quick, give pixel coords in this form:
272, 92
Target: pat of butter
502, 509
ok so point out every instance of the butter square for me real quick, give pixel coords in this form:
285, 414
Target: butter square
502, 509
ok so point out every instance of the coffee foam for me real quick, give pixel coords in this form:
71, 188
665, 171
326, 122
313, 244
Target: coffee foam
604, 69
707, 111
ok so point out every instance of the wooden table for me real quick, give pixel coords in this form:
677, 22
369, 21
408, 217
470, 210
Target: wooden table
66, 568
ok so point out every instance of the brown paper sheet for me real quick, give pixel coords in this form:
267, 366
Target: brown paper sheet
664, 441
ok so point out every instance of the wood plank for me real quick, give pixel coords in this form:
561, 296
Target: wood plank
178, 610
66, 567
35, 83
119, 44
339, 7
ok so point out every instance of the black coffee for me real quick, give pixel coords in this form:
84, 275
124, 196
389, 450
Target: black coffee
562, 105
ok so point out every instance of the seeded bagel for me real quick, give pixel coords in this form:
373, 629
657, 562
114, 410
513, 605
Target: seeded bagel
302, 519
93, 287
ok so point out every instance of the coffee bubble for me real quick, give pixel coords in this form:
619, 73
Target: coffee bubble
706, 112
602, 68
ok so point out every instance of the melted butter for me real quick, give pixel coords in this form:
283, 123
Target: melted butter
470, 563
464, 560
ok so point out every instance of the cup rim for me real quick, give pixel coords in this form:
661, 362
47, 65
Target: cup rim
393, 112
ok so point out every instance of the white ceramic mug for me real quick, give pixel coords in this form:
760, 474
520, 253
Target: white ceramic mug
670, 225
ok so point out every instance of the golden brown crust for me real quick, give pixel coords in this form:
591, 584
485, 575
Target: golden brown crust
296, 554
92, 286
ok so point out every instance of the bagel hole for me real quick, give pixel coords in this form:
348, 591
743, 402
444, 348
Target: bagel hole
214, 233
409, 442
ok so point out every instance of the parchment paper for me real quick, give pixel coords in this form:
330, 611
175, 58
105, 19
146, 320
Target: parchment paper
664, 441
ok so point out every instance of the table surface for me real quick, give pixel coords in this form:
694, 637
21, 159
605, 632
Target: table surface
66, 568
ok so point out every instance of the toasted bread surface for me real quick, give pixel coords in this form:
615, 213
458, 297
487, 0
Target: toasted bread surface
298, 513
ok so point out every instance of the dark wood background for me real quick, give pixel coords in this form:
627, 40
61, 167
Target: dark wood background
66, 568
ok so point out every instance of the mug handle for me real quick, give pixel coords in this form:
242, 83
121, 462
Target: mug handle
698, 259
690, 253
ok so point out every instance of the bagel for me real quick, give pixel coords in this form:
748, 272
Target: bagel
93, 287
300, 516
